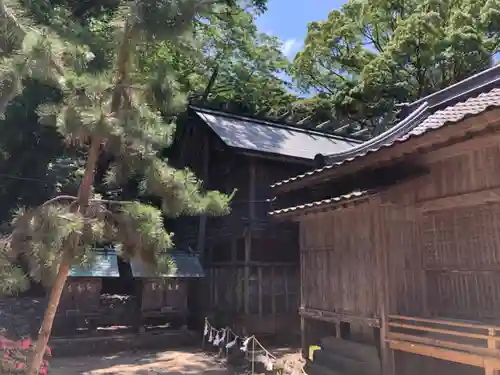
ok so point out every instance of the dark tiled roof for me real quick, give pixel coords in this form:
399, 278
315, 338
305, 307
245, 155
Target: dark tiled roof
187, 266
478, 94
324, 202
105, 264
269, 137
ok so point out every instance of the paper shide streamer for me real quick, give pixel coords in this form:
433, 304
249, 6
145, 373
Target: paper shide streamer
222, 336
205, 330
266, 361
231, 344
220, 339
210, 337
244, 346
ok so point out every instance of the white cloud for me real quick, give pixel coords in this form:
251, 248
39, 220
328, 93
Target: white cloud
290, 47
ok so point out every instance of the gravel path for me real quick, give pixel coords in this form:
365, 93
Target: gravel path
146, 363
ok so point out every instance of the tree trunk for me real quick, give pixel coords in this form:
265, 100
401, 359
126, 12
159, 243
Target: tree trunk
122, 72
64, 268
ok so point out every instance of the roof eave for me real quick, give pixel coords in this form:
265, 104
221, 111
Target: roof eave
272, 155
468, 125
294, 213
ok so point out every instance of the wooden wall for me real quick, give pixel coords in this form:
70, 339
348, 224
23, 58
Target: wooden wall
428, 247
273, 293
338, 263
444, 240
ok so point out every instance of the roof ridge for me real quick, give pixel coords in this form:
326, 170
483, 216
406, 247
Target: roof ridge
459, 91
404, 126
272, 123
479, 105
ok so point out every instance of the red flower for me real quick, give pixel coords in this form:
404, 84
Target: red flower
26, 343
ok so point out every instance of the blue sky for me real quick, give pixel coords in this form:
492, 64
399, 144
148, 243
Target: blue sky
288, 20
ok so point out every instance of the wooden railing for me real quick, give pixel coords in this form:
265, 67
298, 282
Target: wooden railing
451, 340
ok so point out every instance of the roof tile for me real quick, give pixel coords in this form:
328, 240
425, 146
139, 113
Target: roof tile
187, 265
105, 264
324, 202
263, 136
436, 120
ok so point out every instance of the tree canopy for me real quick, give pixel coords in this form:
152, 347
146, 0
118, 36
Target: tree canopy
224, 40
230, 65
104, 109
371, 54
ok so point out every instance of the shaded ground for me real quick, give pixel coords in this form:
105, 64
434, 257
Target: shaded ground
186, 362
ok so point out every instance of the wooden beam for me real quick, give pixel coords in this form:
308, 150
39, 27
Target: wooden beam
324, 124
304, 120
340, 129
480, 197
334, 317
451, 323
445, 354
465, 145
444, 331
252, 263
444, 344
360, 132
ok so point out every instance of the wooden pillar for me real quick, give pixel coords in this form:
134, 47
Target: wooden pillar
273, 294
246, 278
234, 271
234, 250
248, 233
378, 228
200, 245
285, 281
304, 337
259, 272
492, 344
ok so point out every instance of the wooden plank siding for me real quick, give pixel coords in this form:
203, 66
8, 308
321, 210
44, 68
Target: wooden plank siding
273, 294
446, 262
338, 262
434, 242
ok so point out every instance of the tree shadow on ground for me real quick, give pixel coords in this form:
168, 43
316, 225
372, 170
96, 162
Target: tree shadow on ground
186, 362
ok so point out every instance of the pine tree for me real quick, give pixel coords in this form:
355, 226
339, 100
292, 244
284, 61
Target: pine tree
101, 112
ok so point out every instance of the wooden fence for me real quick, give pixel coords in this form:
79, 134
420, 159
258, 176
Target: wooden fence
456, 341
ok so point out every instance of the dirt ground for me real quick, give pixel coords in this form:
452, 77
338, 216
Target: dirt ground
186, 362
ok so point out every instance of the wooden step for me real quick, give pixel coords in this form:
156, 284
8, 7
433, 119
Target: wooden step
315, 369
344, 364
350, 349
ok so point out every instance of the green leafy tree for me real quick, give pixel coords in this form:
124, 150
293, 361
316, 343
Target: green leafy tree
228, 64
224, 62
372, 54
106, 112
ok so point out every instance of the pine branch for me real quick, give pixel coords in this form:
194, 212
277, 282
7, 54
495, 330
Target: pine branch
59, 198
107, 111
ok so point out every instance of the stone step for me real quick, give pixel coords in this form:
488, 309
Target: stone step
350, 349
344, 364
315, 369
